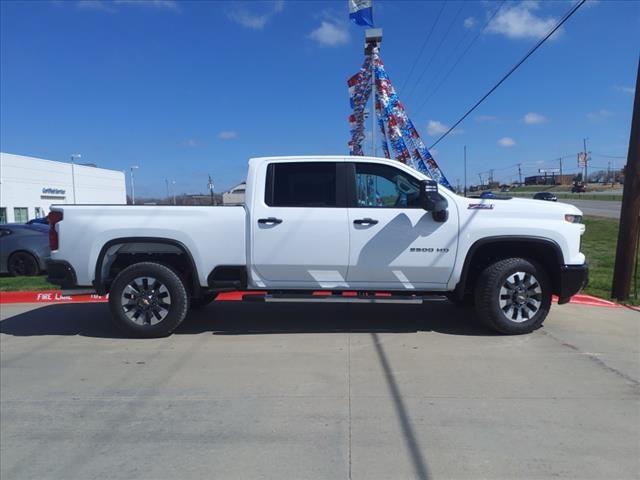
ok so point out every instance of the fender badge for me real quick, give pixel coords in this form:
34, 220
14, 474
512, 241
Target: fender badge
480, 206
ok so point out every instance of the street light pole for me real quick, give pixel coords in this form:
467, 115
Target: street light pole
465, 170
73, 174
210, 185
173, 190
133, 188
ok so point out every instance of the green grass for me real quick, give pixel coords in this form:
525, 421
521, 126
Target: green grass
599, 245
572, 196
12, 284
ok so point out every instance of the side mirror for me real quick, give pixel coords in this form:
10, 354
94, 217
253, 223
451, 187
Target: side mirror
432, 201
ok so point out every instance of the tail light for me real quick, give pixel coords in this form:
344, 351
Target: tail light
54, 217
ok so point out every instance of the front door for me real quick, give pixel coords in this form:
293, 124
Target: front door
394, 243
300, 232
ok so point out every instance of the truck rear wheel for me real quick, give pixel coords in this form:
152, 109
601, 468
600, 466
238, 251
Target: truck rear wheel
513, 296
148, 300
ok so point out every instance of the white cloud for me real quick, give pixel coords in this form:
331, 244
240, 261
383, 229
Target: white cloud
330, 34
434, 127
95, 5
191, 143
599, 115
227, 135
250, 19
159, 4
110, 5
507, 142
520, 21
485, 118
624, 88
532, 118
470, 22
434, 152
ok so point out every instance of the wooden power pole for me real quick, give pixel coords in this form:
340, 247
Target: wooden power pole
630, 213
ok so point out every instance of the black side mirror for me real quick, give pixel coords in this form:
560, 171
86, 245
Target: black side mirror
432, 201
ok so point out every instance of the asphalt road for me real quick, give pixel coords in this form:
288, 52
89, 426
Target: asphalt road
599, 208
246, 391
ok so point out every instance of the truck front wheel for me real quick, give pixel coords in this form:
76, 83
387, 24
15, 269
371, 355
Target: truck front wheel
148, 300
513, 296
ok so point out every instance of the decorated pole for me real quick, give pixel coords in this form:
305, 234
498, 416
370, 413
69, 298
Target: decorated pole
373, 39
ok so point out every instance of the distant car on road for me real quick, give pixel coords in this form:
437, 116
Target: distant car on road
487, 195
24, 249
578, 188
548, 196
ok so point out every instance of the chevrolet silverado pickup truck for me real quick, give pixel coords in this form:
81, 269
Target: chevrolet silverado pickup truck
324, 229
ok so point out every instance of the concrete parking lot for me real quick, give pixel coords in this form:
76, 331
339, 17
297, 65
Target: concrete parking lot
246, 390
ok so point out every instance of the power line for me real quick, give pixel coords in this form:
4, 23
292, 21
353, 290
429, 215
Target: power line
462, 5
424, 44
513, 69
462, 55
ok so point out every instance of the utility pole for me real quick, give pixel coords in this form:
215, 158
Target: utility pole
465, 170
586, 161
480, 175
520, 174
210, 185
491, 176
173, 190
166, 183
561, 177
629, 232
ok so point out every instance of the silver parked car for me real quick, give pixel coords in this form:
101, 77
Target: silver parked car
24, 249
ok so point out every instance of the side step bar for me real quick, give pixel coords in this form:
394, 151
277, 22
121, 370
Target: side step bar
341, 298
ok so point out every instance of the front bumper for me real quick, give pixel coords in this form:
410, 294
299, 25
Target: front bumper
573, 278
61, 273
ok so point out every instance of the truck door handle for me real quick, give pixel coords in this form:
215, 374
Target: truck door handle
269, 220
365, 221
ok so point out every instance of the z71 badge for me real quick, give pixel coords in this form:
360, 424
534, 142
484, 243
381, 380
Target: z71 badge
480, 206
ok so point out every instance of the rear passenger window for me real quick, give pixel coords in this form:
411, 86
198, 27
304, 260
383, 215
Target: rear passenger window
301, 184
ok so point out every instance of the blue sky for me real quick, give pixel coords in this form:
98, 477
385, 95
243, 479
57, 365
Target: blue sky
184, 89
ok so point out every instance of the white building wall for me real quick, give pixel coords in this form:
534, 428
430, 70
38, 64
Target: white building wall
37, 184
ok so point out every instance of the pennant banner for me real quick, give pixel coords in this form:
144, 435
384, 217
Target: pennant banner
361, 12
359, 92
395, 126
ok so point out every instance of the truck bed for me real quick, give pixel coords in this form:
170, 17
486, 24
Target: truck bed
213, 235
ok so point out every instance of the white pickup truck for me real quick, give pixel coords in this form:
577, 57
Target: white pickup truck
372, 227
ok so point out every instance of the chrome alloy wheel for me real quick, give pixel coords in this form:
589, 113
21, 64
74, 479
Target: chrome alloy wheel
146, 301
520, 297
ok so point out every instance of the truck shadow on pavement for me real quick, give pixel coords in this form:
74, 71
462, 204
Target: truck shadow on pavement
239, 318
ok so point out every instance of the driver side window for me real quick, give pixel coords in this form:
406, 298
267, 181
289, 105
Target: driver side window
382, 186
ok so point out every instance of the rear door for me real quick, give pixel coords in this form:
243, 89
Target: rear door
394, 243
300, 231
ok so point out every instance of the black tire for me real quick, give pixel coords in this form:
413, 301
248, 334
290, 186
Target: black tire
23, 264
510, 304
202, 301
148, 308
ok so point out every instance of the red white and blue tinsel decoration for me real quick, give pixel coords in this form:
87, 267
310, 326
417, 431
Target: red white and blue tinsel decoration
395, 126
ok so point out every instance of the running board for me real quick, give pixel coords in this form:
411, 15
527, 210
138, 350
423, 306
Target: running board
310, 298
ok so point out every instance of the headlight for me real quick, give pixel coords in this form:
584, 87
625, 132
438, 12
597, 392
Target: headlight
573, 218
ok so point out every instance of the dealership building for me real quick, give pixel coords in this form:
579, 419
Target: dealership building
29, 186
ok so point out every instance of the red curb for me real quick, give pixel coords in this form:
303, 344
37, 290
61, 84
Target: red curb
49, 296
56, 296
